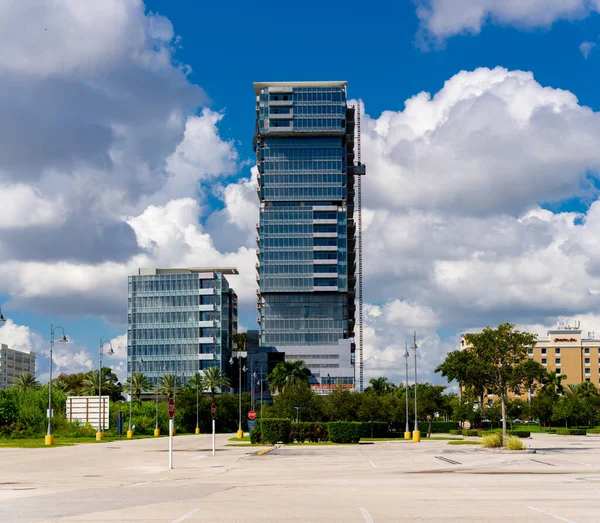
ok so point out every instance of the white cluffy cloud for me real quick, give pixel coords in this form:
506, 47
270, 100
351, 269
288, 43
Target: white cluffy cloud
444, 18
586, 48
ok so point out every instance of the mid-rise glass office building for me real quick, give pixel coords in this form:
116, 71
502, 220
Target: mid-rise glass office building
304, 143
180, 321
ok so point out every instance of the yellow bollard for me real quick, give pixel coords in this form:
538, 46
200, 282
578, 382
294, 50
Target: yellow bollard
240, 434
407, 435
156, 433
416, 436
49, 440
129, 434
173, 431
99, 436
197, 430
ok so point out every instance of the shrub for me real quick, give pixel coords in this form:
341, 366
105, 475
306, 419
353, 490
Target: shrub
492, 440
482, 433
593, 431
375, 429
255, 434
515, 443
456, 432
439, 427
344, 431
470, 432
313, 432
520, 433
274, 430
571, 432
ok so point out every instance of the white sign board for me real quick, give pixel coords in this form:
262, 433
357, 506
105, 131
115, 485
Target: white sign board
85, 409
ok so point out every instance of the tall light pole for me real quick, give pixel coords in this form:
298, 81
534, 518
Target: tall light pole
100, 409
297, 414
253, 390
130, 431
416, 433
240, 432
49, 439
406, 356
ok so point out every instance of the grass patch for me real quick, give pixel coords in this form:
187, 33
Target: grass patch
464, 442
235, 438
491, 441
515, 443
59, 441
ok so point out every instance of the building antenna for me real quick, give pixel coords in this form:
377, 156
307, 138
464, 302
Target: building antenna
360, 172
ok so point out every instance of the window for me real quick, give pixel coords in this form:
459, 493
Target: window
587, 372
586, 352
587, 361
544, 362
587, 379
544, 351
530, 352
557, 352
557, 361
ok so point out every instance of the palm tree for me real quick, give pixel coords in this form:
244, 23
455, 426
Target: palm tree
213, 378
553, 381
62, 385
25, 381
241, 340
90, 384
140, 384
288, 373
169, 385
380, 386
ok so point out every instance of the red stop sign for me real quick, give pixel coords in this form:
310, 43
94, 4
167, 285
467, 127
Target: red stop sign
213, 410
251, 415
171, 408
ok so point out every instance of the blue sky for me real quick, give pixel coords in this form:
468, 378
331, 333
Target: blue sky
134, 144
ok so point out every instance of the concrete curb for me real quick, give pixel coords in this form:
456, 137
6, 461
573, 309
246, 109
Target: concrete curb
502, 451
267, 450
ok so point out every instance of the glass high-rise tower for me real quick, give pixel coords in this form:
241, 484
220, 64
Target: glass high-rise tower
304, 143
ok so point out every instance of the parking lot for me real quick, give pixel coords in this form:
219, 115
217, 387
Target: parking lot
376, 482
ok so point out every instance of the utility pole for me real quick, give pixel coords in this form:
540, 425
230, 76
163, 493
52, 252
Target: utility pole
407, 434
416, 433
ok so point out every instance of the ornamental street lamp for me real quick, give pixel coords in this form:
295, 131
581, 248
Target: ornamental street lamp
297, 413
140, 361
49, 439
240, 432
416, 433
100, 409
406, 356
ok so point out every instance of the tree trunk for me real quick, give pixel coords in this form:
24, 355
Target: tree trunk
504, 431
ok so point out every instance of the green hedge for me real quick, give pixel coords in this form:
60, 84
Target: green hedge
344, 431
255, 434
470, 432
308, 431
439, 427
520, 433
593, 431
275, 430
379, 429
456, 432
571, 432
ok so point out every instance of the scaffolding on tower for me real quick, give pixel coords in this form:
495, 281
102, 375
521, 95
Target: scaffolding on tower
359, 171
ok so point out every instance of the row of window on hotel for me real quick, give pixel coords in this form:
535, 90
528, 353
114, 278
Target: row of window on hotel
324, 109
543, 350
557, 361
307, 94
189, 300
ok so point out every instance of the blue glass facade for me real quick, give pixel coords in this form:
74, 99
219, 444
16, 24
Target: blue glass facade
179, 322
304, 144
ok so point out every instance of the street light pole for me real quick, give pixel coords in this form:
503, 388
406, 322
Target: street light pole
100, 409
240, 432
49, 439
416, 432
407, 434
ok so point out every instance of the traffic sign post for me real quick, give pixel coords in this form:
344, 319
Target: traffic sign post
213, 413
171, 430
251, 415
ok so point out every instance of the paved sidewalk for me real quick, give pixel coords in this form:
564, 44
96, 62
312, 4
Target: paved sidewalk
378, 482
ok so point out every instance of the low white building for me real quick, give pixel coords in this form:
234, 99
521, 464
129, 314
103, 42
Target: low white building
14, 362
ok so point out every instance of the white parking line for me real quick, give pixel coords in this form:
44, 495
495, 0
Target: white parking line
372, 464
551, 515
144, 483
185, 516
580, 463
366, 515
196, 458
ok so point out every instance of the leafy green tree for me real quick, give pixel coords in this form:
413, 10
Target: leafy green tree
299, 395
288, 373
110, 385
380, 386
140, 382
213, 378
26, 381
169, 385
496, 359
